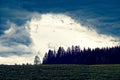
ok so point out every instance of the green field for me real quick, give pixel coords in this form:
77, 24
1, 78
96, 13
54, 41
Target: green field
60, 72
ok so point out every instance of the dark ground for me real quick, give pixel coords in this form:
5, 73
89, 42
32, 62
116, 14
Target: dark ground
60, 72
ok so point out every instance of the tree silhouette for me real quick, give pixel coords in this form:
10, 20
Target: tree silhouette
75, 55
37, 60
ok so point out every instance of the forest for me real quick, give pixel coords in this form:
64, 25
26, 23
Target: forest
75, 55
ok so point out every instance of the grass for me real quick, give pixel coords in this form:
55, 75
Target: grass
60, 72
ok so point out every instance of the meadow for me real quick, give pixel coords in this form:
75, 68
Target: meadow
60, 72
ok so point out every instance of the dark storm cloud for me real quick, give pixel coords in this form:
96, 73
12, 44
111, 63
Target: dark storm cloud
15, 52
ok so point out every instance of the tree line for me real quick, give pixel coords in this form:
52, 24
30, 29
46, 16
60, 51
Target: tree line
74, 55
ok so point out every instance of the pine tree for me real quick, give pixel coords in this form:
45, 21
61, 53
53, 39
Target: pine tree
37, 60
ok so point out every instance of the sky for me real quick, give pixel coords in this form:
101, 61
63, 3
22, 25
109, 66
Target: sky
31, 26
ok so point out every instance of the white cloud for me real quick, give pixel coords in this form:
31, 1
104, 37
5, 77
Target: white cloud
49, 31
13, 45
54, 30
17, 59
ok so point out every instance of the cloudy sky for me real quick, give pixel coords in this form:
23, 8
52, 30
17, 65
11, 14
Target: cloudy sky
31, 26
